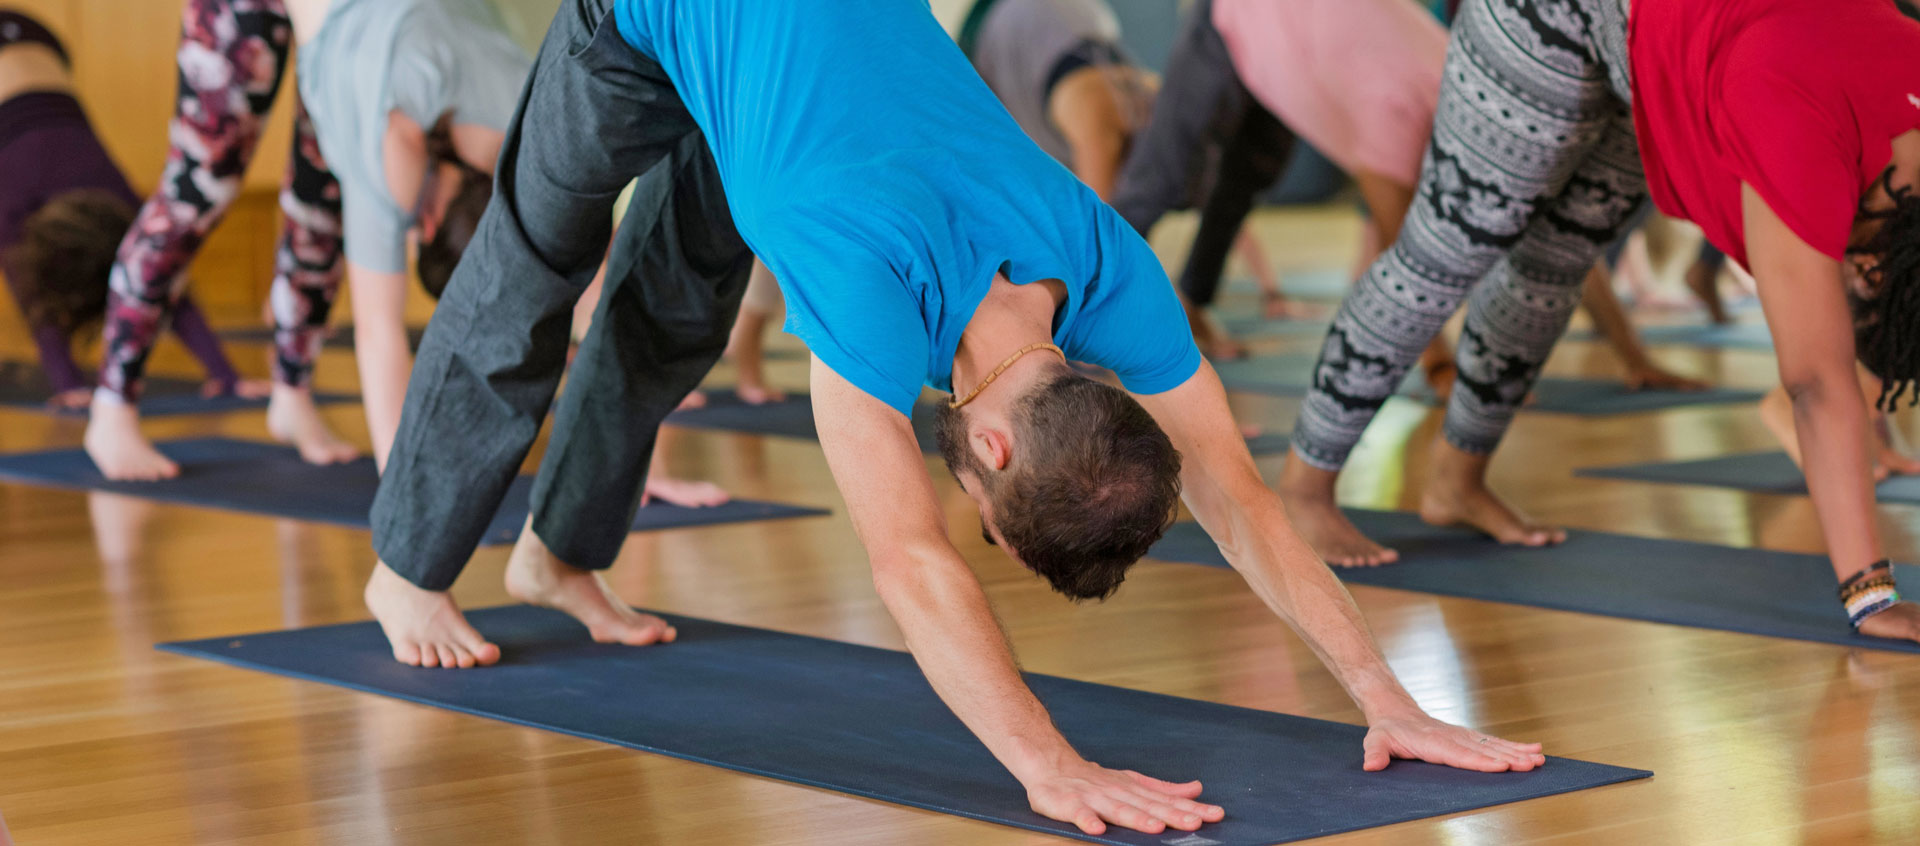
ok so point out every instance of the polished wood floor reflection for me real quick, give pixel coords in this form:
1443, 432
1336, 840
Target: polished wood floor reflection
104, 740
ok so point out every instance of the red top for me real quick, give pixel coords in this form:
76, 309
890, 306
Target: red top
1798, 98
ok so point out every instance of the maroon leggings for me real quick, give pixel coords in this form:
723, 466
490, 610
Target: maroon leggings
232, 60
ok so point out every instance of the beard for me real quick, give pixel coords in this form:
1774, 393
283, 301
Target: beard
950, 433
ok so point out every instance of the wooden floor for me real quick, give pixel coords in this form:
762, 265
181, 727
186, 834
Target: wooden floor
104, 740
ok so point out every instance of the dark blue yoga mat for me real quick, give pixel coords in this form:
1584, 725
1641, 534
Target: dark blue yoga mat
864, 721
793, 418
1289, 376
24, 386
1761, 472
1755, 591
270, 480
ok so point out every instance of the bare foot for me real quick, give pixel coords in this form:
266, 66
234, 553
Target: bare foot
1437, 362
1888, 461
293, 419
1888, 453
536, 577
1441, 379
1214, 342
1275, 306
424, 626
758, 393
1307, 492
697, 399
117, 447
1279, 307
685, 493
1458, 495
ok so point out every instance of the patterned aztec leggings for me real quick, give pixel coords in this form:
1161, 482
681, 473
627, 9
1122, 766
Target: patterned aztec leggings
233, 57
1531, 172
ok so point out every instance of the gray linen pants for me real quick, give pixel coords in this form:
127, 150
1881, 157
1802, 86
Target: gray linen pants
595, 114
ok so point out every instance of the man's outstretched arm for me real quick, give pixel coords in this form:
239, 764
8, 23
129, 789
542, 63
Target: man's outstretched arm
1225, 492
951, 631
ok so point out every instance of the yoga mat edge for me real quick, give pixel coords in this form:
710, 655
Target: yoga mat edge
214, 649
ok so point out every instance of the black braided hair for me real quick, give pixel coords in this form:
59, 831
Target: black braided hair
1886, 316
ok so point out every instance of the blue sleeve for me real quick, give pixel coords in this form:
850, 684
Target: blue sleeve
1131, 321
858, 317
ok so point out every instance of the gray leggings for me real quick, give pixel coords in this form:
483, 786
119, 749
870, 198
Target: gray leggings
1531, 172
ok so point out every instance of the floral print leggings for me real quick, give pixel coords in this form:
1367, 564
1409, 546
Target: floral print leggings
232, 60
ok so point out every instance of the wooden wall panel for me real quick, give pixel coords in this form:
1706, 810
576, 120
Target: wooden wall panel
123, 53
59, 15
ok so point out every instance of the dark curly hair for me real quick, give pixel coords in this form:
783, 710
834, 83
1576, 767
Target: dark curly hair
64, 256
1886, 315
1092, 483
440, 255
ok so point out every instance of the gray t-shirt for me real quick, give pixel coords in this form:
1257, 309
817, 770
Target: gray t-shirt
1019, 45
426, 58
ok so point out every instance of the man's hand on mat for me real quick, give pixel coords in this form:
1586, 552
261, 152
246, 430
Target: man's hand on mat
1423, 738
538, 577
1900, 622
425, 627
1090, 796
685, 493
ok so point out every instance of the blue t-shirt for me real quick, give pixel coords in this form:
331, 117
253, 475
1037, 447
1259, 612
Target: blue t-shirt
883, 183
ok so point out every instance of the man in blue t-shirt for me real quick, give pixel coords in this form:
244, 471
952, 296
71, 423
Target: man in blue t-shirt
921, 240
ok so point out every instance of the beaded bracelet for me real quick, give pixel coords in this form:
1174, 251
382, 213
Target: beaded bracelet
1869, 592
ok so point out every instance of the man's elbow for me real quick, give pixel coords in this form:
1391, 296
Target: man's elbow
909, 576
898, 574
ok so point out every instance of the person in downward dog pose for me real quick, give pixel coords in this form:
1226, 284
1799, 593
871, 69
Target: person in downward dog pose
64, 206
406, 100
1358, 77
919, 238
1789, 130
232, 59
